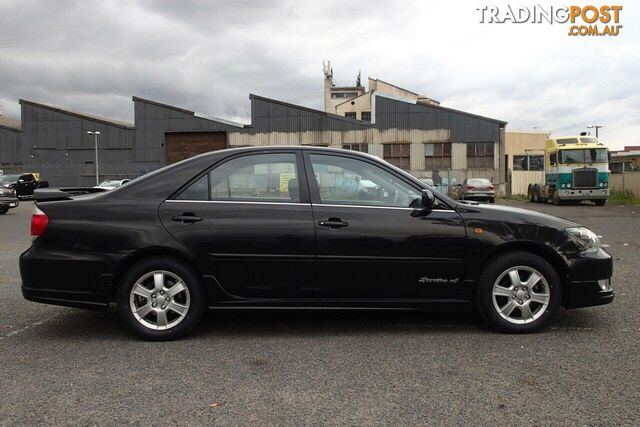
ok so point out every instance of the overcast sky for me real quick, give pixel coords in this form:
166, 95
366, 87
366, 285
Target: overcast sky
209, 55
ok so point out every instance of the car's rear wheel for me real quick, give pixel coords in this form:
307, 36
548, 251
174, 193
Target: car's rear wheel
161, 299
518, 292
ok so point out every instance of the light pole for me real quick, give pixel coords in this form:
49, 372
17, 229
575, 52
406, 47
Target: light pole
95, 134
596, 128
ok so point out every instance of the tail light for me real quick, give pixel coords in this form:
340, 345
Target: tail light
491, 188
39, 221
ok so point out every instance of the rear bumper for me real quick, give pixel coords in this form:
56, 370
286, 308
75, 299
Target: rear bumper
480, 195
80, 279
590, 280
591, 194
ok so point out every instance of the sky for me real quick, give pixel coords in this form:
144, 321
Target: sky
207, 56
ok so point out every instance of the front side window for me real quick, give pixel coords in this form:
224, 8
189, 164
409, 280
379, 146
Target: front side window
349, 181
260, 177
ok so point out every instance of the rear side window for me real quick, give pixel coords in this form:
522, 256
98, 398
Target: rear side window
260, 177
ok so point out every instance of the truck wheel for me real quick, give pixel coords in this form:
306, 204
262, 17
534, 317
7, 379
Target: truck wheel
518, 292
536, 193
530, 193
600, 202
556, 199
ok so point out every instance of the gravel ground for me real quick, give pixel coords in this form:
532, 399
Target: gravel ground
66, 366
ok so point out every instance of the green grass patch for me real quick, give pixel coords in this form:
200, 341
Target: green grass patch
623, 198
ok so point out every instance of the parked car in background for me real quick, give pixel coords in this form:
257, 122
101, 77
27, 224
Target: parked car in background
8, 199
24, 184
291, 227
110, 184
479, 189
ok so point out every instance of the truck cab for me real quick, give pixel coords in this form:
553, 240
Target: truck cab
576, 169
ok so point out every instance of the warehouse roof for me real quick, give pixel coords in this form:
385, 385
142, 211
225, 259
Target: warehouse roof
92, 117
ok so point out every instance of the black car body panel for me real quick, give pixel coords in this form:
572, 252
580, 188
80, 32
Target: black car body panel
263, 254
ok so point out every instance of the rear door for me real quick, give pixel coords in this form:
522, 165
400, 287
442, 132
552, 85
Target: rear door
250, 222
374, 239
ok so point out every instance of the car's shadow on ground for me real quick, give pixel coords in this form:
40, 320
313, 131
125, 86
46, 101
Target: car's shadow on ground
74, 324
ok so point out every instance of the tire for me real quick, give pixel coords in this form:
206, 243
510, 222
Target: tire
492, 200
536, 194
600, 202
556, 199
530, 193
164, 311
4, 211
543, 299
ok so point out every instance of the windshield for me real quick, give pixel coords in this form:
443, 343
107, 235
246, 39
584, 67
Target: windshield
109, 183
592, 155
6, 179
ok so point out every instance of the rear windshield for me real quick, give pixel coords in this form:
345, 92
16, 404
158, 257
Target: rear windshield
478, 181
593, 155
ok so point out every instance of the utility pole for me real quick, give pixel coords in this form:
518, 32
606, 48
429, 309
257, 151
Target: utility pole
95, 134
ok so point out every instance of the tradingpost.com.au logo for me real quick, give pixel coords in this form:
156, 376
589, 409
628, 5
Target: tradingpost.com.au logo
582, 20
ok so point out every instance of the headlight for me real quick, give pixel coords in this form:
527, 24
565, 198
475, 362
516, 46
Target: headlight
587, 239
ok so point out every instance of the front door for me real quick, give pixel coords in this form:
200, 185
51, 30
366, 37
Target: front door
250, 223
374, 240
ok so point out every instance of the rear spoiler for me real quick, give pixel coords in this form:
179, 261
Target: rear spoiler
51, 194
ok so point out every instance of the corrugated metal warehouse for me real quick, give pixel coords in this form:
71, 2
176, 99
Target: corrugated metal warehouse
418, 138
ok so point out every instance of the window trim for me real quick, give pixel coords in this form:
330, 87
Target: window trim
300, 170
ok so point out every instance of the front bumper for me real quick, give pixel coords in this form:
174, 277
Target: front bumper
9, 202
589, 281
583, 194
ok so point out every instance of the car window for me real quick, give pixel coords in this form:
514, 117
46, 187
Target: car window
260, 177
343, 180
478, 181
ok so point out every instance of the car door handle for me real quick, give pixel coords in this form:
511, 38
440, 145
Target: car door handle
333, 223
187, 218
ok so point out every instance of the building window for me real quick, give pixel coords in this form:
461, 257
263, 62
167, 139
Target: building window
526, 162
344, 94
398, 155
437, 156
363, 148
480, 155
350, 114
366, 116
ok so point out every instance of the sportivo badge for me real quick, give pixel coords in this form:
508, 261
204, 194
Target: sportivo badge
438, 280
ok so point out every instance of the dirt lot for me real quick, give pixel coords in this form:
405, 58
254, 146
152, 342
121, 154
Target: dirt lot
60, 365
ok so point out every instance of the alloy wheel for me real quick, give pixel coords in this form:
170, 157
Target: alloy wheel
159, 300
521, 294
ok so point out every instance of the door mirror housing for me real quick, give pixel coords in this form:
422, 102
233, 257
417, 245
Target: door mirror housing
428, 199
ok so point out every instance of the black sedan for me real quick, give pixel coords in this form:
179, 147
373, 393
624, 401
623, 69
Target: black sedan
301, 227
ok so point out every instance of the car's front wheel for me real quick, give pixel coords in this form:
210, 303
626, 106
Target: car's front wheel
161, 299
518, 292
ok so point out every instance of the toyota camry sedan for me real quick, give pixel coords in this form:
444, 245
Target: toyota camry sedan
296, 228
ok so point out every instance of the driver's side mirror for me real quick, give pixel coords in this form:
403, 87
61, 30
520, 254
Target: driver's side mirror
428, 199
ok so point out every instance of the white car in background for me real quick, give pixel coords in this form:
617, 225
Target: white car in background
110, 184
